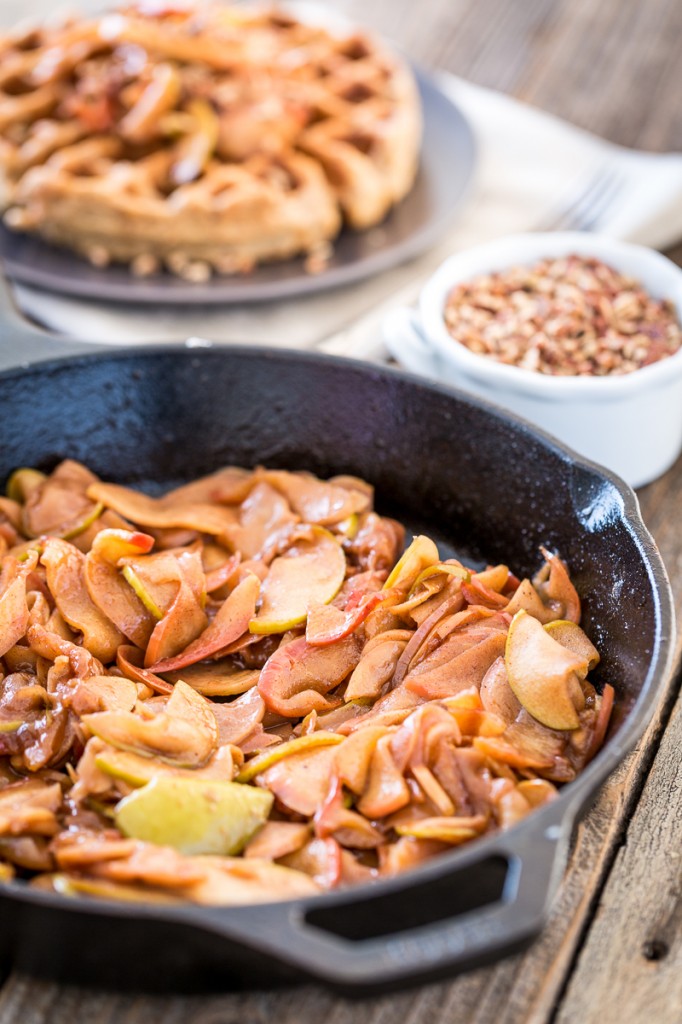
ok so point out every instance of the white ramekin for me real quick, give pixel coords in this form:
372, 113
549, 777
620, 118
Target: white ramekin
632, 423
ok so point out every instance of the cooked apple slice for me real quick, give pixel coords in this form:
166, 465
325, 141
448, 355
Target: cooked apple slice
14, 615
186, 733
142, 592
421, 554
318, 501
312, 741
217, 679
58, 505
544, 675
229, 625
23, 482
101, 693
452, 830
195, 816
296, 679
107, 588
137, 770
327, 624
574, 639
80, 526
103, 889
310, 573
65, 569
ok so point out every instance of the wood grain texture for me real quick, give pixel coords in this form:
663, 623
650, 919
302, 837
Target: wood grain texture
612, 67
636, 937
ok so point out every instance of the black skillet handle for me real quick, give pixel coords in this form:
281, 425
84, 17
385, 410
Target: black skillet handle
22, 342
380, 941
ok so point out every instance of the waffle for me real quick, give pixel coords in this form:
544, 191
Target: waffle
202, 139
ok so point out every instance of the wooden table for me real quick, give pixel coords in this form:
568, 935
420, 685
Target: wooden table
612, 949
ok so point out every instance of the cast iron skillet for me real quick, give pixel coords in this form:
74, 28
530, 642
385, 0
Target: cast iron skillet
489, 487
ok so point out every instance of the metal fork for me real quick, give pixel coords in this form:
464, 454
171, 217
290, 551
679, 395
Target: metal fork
588, 207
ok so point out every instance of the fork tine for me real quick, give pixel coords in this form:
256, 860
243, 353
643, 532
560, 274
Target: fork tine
580, 205
592, 220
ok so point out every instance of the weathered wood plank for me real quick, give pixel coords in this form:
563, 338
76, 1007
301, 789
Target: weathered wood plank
610, 67
636, 938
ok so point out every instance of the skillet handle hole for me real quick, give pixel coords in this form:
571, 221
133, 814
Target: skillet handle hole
416, 905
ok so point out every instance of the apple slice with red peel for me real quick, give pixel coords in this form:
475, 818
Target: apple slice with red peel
230, 623
310, 573
320, 859
112, 545
65, 568
421, 554
543, 674
574, 639
222, 574
130, 661
182, 624
327, 624
13, 607
495, 577
296, 678
108, 589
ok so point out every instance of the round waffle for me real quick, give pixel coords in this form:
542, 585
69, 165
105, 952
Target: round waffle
202, 139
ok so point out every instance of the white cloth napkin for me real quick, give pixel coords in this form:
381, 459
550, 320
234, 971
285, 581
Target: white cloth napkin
529, 165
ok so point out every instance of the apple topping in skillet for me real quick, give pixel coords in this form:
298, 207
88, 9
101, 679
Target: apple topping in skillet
245, 690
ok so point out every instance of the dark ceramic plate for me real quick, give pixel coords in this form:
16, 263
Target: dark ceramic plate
448, 157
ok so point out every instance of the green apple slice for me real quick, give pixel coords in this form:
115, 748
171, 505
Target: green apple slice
194, 816
311, 741
137, 770
310, 573
421, 553
23, 482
